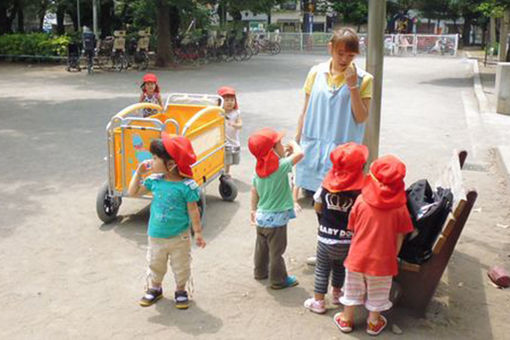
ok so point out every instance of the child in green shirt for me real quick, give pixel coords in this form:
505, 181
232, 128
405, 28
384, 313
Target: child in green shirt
272, 205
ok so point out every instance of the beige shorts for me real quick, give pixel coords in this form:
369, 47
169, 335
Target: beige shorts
177, 249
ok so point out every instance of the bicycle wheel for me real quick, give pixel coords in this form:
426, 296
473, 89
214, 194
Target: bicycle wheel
118, 62
249, 53
240, 54
274, 48
142, 60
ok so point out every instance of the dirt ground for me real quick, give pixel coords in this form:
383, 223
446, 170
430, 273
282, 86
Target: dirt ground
65, 275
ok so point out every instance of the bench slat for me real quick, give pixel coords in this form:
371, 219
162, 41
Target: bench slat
441, 240
448, 226
457, 209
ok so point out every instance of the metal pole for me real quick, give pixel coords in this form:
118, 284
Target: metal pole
78, 15
94, 17
374, 65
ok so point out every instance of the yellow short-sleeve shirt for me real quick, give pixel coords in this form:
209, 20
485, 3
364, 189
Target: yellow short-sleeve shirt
338, 81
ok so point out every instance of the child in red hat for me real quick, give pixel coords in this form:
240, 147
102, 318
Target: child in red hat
150, 93
333, 202
174, 205
272, 205
233, 126
379, 220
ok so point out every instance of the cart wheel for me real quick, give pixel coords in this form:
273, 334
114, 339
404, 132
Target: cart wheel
107, 206
228, 189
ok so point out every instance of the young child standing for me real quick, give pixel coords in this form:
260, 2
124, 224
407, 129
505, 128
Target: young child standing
272, 205
174, 205
233, 126
333, 203
150, 93
379, 220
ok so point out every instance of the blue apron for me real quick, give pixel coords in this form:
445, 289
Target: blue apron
329, 122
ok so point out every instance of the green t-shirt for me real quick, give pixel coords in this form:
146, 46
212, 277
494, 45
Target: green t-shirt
274, 191
169, 209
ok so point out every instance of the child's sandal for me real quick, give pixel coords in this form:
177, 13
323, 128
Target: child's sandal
290, 281
344, 326
151, 296
181, 299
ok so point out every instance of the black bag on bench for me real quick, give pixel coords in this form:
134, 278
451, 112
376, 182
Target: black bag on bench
429, 210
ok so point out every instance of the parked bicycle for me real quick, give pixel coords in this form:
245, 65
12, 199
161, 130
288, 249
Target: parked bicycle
138, 51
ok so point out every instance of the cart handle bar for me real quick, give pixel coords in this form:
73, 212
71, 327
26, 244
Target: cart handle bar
196, 116
135, 107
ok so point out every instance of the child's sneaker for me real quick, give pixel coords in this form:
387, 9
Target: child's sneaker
378, 327
316, 306
181, 299
151, 296
290, 281
337, 293
344, 326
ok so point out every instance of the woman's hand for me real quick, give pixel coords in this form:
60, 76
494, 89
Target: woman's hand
351, 76
252, 218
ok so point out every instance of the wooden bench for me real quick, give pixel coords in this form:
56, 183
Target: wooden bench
418, 283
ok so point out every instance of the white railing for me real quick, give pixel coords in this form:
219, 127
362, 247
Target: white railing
394, 44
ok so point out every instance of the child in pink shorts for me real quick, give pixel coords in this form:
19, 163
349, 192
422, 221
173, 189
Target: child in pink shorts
379, 220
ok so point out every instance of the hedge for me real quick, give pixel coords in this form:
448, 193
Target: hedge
36, 44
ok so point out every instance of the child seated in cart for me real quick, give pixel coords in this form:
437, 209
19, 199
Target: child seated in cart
150, 93
174, 205
233, 126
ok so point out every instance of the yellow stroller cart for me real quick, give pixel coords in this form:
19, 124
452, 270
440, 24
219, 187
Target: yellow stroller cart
197, 116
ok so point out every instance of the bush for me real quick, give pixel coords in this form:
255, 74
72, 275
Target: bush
40, 44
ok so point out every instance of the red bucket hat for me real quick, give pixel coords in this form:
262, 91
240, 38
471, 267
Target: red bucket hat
181, 151
228, 91
261, 145
150, 78
384, 187
347, 171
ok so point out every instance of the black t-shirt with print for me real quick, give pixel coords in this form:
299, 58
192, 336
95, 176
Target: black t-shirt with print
334, 214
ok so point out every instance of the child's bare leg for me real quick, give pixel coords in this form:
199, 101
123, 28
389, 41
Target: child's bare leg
183, 287
155, 285
348, 314
319, 296
373, 317
227, 169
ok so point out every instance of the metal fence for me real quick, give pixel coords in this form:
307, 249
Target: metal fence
394, 44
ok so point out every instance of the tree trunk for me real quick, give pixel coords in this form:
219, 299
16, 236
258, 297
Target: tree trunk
21, 18
503, 35
174, 21
492, 31
60, 19
106, 17
236, 15
466, 31
163, 54
42, 13
5, 22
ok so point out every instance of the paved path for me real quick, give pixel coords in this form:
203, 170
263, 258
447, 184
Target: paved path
65, 275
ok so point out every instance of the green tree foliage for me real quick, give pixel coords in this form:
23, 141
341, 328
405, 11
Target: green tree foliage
351, 11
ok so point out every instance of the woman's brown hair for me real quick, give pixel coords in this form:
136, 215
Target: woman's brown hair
347, 36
